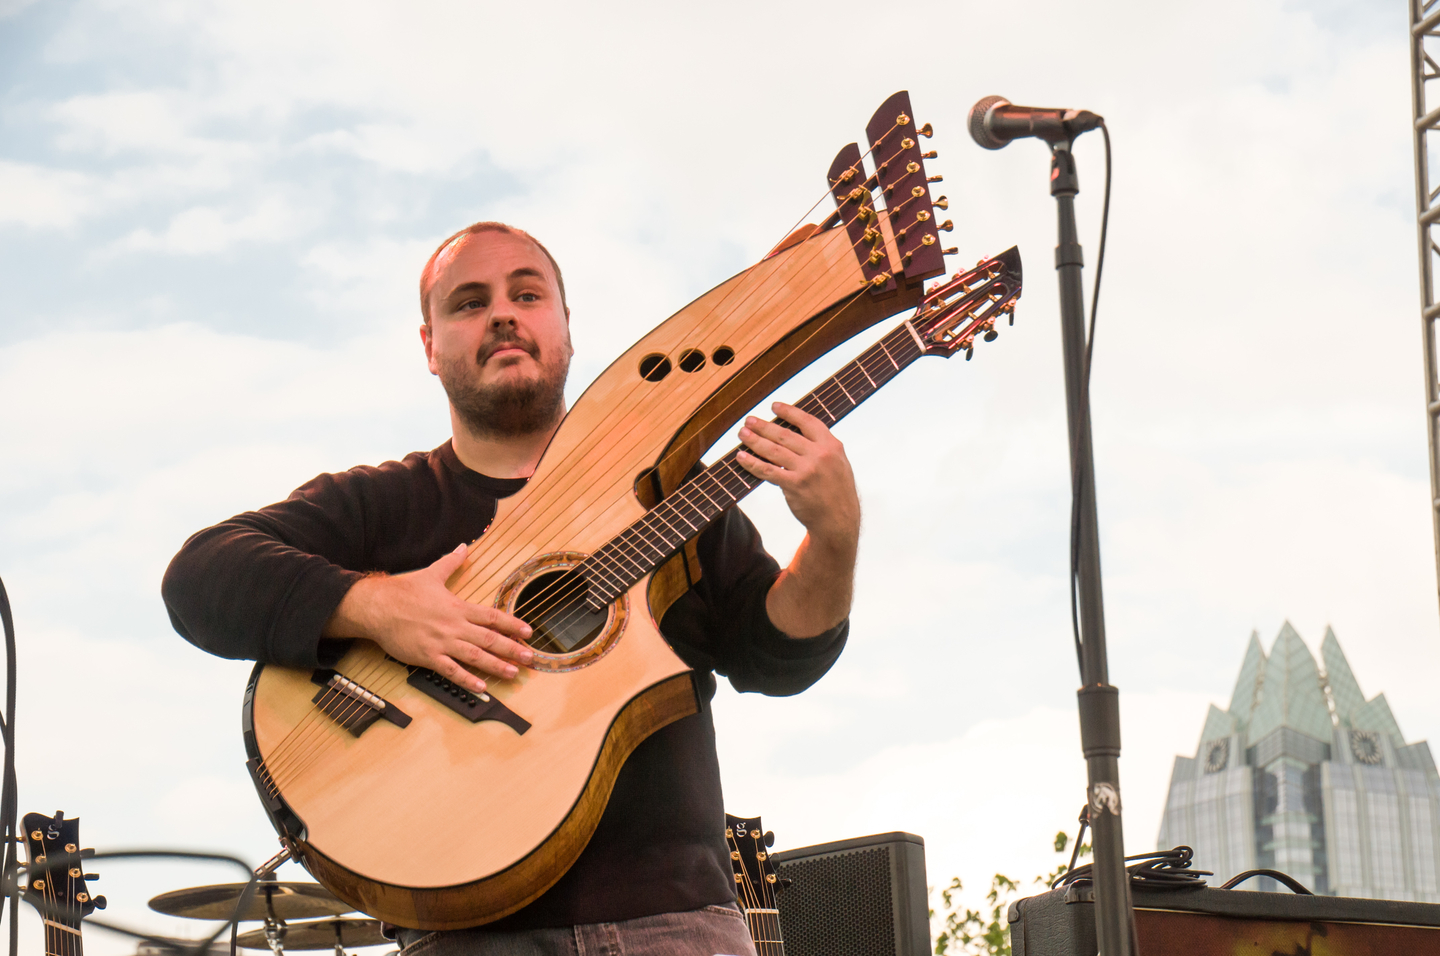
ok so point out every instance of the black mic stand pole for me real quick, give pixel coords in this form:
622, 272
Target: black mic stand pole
1099, 702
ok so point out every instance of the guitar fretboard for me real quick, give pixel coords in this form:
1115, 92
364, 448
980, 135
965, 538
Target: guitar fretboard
640, 548
62, 939
765, 931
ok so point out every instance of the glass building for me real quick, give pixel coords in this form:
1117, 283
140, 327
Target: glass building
1302, 774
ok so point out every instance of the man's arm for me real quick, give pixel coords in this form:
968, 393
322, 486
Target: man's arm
813, 594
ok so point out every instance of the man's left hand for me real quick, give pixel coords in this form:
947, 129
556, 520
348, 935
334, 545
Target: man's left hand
810, 467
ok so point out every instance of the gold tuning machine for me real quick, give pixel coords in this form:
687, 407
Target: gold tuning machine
946, 226
952, 251
941, 203
934, 179
931, 154
927, 131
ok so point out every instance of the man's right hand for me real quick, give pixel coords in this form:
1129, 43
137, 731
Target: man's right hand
414, 618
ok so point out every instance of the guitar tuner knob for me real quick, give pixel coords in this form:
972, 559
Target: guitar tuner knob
932, 154
92, 876
947, 226
927, 131
100, 902
769, 837
952, 251
942, 203
934, 179
992, 335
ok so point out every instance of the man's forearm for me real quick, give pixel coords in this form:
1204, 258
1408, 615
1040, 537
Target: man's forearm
813, 594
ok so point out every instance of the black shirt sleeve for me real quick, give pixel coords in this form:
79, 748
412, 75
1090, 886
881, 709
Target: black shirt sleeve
721, 624
261, 585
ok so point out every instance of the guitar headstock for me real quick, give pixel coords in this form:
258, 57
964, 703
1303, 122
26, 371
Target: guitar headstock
906, 222
755, 880
55, 883
954, 312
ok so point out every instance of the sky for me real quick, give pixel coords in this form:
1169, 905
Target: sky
213, 216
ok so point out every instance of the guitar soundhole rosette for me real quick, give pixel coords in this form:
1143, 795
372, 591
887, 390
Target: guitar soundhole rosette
545, 594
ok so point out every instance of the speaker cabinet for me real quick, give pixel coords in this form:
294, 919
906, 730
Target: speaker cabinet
860, 897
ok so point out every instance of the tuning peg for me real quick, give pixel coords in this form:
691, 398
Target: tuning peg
934, 179
91, 876
969, 353
946, 226
99, 902
932, 154
927, 131
769, 837
992, 335
786, 883
941, 203
952, 251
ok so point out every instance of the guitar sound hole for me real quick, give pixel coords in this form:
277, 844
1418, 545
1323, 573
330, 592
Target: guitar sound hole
553, 604
654, 367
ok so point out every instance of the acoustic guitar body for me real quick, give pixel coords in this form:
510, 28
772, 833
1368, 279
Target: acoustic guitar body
449, 821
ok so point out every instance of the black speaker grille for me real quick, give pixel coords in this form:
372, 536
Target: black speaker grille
846, 902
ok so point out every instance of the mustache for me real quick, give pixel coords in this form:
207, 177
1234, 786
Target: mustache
505, 340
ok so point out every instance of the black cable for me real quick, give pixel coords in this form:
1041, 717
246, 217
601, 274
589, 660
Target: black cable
1076, 479
1161, 870
190, 947
9, 792
10, 868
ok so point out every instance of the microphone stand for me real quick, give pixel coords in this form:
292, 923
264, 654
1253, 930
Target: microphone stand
1099, 701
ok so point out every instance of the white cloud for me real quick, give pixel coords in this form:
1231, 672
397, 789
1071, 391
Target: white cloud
43, 197
205, 231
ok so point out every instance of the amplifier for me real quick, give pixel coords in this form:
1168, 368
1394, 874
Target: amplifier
1214, 922
860, 897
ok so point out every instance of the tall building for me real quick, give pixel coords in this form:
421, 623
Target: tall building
1303, 775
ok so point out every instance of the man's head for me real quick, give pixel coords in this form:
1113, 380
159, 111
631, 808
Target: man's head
497, 329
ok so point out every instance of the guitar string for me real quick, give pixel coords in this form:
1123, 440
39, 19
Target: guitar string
493, 545
580, 458
855, 375
349, 709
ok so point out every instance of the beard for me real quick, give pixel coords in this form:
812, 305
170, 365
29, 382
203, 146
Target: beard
509, 409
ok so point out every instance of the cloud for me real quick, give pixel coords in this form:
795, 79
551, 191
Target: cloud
205, 231
41, 197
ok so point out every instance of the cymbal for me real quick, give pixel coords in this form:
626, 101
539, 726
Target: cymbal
321, 934
289, 901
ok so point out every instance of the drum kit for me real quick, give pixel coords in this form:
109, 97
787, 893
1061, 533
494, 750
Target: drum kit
321, 924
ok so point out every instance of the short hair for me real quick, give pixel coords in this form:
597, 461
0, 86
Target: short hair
427, 275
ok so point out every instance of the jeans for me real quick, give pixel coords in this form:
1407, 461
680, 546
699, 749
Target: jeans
707, 931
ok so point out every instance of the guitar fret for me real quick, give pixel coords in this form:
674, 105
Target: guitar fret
651, 539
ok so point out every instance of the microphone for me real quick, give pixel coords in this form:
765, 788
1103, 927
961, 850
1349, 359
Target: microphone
995, 121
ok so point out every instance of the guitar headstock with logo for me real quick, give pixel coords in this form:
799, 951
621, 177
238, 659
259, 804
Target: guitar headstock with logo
55, 881
954, 312
755, 881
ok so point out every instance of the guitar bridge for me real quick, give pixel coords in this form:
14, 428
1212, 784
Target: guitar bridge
351, 705
473, 706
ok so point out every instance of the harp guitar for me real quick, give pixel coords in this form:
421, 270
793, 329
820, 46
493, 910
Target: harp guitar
434, 808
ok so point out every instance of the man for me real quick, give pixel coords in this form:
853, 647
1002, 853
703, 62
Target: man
366, 553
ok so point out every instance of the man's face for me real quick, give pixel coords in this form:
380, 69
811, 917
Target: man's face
499, 337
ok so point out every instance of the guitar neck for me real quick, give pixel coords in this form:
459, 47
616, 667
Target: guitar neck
640, 548
765, 931
62, 939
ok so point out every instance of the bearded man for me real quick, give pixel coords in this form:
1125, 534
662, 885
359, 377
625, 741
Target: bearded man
365, 554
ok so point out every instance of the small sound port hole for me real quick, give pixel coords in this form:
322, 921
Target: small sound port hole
692, 360
654, 367
724, 355
554, 606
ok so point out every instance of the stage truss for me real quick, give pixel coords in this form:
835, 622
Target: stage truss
1424, 51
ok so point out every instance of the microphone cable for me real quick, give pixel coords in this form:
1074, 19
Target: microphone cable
1076, 479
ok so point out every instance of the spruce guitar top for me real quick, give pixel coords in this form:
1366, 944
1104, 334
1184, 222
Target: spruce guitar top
590, 553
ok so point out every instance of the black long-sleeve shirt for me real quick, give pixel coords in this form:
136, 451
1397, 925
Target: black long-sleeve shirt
261, 586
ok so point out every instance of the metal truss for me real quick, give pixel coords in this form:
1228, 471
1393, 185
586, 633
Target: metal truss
1425, 29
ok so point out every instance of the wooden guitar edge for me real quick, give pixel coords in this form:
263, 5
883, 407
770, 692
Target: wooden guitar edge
495, 897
